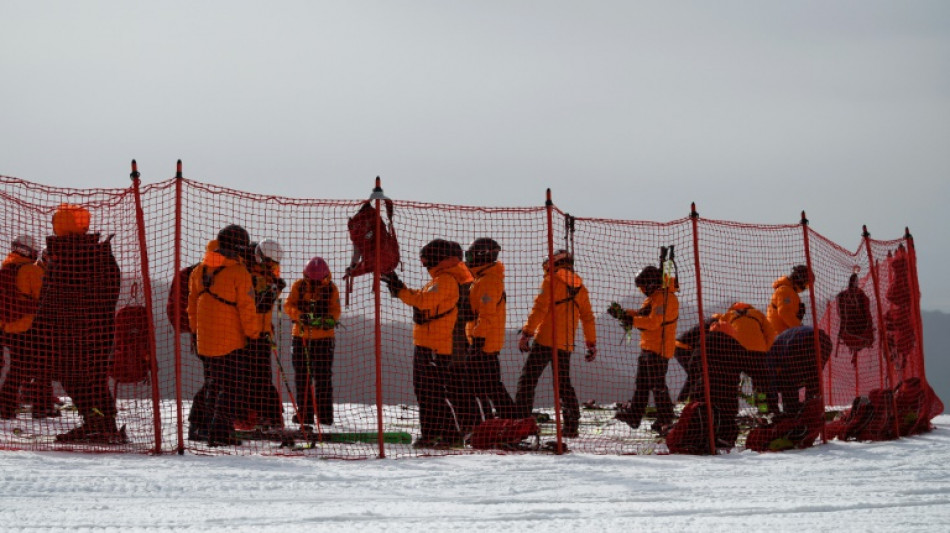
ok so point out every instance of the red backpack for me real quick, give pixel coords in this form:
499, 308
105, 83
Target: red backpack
181, 280
505, 434
787, 432
132, 361
362, 228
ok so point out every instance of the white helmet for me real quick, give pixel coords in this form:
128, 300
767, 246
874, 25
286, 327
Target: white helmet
268, 249
26, 246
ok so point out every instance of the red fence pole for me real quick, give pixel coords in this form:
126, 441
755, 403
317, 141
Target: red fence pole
177, 304
549, 206
694, 216
147, 289
914, 287
814, 320
377, 325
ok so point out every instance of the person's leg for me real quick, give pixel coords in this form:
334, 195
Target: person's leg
538, 358
570, 407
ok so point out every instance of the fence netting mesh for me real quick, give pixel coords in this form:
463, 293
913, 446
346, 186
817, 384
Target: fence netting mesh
183, 316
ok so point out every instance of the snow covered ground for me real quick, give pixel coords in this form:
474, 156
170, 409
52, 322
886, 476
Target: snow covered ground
891, 486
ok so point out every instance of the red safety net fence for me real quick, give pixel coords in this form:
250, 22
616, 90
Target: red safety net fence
683, 337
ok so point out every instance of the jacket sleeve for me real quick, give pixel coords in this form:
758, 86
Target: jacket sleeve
335, 309
658, 313
30, 280
786, 303
290, 306
194, 288
588, 322
440, 295
542, 305
244, 298
767, 330
485, 299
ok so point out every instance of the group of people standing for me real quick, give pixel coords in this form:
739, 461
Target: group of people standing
58, 320
58, 323
231, 297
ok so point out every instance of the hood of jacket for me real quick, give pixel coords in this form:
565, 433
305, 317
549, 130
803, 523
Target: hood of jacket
455, 268
493, 269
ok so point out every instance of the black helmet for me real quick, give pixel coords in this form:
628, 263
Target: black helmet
801, 276
482, 251
561, 258
649, 279
437, 251
234, 238
455, 250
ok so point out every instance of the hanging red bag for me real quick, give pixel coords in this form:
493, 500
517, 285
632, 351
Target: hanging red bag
132, 361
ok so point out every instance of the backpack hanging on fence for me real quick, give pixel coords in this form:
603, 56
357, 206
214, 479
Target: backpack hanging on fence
854, 310
181, 279
14, 305
506, 434
132, 361
362, 229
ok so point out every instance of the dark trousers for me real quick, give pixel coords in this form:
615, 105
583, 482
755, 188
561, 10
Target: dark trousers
27, 371
484, 377
225, 373
651, 377
313, 378
81, 365
261, 395
538, 359
199, 417
431, 374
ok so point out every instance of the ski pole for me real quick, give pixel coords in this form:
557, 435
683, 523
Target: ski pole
290, 392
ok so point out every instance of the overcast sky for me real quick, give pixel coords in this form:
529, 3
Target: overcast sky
754, 110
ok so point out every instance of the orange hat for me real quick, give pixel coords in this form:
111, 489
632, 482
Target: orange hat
70, 220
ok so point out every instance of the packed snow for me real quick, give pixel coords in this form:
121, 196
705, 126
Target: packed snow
842, 486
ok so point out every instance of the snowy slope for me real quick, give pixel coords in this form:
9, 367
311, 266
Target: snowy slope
893, 486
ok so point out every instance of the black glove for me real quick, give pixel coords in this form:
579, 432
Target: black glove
615, 310
393, 282
265, 300
477, 346
801, 311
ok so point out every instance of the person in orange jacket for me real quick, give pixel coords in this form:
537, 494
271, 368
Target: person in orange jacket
222, 313
656, 319
435, 310
571, 305
486, 333
747, 325
20, 282
83, 275
786, 309
261, 398
314, 307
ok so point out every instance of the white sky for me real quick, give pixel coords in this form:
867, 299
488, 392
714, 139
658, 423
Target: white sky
754, 110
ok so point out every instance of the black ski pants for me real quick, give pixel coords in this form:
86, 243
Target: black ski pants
538, 359
313, 379
651, 377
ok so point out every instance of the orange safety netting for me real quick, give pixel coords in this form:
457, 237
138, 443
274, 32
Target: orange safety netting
294, 362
